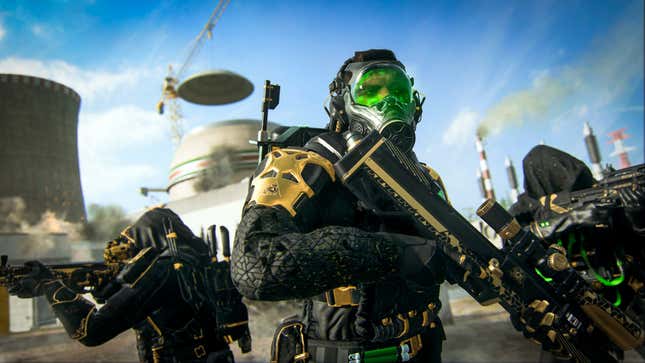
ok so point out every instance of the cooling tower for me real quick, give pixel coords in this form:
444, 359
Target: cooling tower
38, 147
213, 156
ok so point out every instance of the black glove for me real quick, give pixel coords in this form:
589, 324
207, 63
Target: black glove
535, 323
633, 201
417, 262
34, 283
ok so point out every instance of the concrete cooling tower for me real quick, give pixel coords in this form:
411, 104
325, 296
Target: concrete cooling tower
38, 147
213, 156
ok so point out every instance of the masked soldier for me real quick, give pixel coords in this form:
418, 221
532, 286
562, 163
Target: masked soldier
370, 290
150, 294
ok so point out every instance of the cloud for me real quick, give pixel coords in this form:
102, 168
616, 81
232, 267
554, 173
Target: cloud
90, 84
608, 71
3, 30
38, 30
462, 128
109, 146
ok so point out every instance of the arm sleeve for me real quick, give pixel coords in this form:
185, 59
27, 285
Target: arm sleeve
131, 304
272, 260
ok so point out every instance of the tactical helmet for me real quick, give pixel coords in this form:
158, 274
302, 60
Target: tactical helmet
372, 91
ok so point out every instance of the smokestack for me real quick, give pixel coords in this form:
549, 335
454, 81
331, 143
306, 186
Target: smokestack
480, 184
592, 149
620, 149
483, 166
512, 179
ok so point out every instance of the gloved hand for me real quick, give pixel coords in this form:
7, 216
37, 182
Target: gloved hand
633, 201
535, 323
417, 262
33, 284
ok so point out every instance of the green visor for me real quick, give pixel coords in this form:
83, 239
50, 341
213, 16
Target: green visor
375, 84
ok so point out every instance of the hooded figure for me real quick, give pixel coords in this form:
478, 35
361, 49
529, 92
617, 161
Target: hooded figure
146, 295
548, 170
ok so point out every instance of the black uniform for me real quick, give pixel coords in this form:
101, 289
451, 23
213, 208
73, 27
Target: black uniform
304, 235
606, 245
147, 297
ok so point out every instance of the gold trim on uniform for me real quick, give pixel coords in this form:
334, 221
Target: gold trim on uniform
145, 271
281, 182
57, 301
81, 331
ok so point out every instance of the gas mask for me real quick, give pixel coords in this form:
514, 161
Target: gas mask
377, 95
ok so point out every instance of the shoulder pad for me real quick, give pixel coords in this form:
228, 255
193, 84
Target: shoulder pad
286, 176
139, 266
330, 145
436, 177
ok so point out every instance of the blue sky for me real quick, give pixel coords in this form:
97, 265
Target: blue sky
525, 71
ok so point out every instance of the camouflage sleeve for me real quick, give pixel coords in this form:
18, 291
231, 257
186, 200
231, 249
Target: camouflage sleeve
272, 260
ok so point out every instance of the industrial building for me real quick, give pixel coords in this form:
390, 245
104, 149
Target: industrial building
38, 149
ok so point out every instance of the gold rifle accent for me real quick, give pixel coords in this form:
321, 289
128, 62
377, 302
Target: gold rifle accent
510, 230
411, 201
614, 330
363, 159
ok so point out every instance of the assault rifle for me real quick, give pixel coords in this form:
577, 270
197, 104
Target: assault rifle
82, 277
603, 194
587, 327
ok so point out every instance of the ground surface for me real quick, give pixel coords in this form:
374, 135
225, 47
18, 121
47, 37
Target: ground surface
477, 335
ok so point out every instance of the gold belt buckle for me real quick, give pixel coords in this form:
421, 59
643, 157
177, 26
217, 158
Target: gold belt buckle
414, 343
342, 296
200, 351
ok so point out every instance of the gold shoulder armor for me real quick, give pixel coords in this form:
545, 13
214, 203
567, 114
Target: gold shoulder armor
281, 182
433, 173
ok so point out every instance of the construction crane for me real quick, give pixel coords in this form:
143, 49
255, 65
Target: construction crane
169, 95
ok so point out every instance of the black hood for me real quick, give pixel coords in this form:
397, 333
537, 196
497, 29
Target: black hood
149, 231
548, 170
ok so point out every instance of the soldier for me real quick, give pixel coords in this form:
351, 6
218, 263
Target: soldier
172, 322
603, 241
368, 287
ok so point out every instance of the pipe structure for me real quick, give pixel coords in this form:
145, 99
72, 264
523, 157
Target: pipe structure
483, 167
592, 150
512, 179
620, 149
480, 184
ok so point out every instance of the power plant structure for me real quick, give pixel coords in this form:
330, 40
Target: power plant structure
41, 184
208, 178
593, 151
620, 149
213, 156
483, 168
512, 179
38, 147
